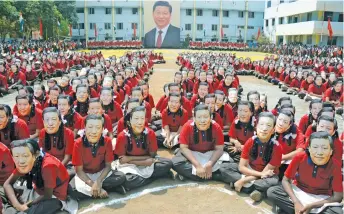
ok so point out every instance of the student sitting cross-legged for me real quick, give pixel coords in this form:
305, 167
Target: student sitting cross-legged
92, 158
260, 160
47, 173
312, 182
201, 155
135, 151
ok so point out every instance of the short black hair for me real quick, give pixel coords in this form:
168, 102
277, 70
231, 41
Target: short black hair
162, 4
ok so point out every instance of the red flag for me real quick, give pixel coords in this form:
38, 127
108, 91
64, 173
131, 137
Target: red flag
258, 34
222, 34
40, 27
70, 30
329, 27
95, 30
134, 29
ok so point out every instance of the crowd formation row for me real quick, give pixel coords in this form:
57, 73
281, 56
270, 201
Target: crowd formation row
95, 130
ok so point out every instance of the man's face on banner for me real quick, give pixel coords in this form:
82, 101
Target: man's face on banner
162, 16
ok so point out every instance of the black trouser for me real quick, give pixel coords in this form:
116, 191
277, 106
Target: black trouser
110, 184
184, 167
282, 169
3, 91
162, 168
281, 199
235, 156
261, 184
71, 171
50, 206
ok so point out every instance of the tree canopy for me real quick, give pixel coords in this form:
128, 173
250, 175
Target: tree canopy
49, 11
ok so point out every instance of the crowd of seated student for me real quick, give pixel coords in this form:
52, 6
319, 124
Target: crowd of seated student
237, 46
84, 142
130, 44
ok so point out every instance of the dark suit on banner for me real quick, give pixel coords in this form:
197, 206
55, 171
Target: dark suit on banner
171, 40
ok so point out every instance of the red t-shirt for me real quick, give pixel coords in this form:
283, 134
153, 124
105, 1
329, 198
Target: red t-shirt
68, 141
160, 102
305, 85
21, 131
296, 141
7, 163
77, 122
313, 179
54, 175
186, 137
35, 122
303, 123
150, 100
240, 132
319, 90
258, 164
174, 120
122, 144
224, 88
226, 113
332, 95
116, 114
82, 156
185, 104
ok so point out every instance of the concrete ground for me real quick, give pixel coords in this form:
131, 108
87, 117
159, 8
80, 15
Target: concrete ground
173, 196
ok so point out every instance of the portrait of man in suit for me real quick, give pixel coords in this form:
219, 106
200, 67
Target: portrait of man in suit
164, 35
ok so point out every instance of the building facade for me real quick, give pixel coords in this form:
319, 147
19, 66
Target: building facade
199, 19
305, 21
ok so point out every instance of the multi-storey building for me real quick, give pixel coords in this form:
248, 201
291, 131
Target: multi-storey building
305, 21
199, 19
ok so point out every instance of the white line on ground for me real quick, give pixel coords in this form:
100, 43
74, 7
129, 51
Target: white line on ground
96, 207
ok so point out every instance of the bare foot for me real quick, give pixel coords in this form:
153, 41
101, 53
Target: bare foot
238, 185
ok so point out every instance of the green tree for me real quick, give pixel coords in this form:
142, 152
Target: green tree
262, 40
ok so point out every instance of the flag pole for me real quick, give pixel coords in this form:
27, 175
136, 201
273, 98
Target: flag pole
322, 27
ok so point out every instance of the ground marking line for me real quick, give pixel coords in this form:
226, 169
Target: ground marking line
96, 207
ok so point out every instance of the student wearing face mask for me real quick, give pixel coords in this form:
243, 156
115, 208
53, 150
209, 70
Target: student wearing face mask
30, 114
92, 158
56, 139
135, 152
316, 90
260, 160
53, 93
306, 120
224, 110
233, 100
11, 127
312, 181
41, 169
173, 119
328, 124
241, 130
71, 118
289, 137
201, 156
